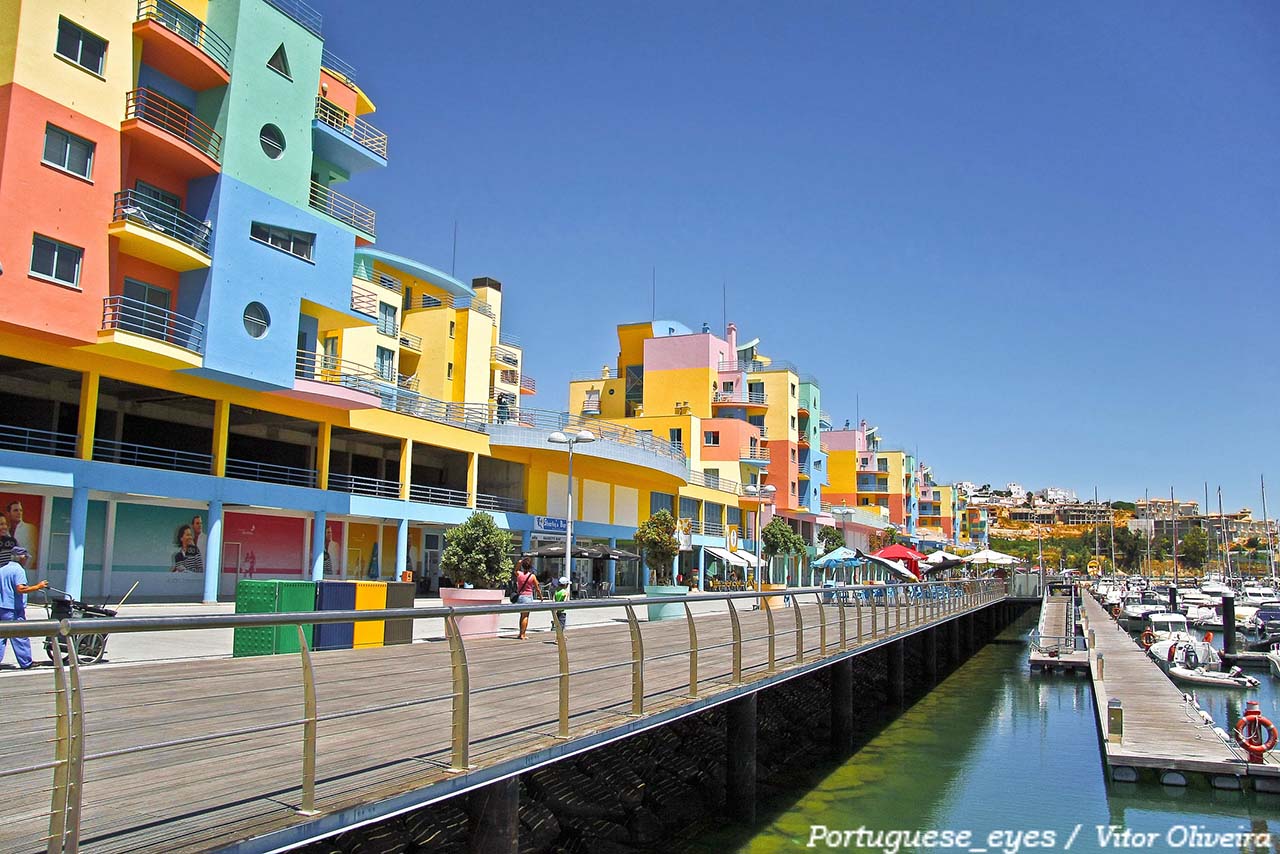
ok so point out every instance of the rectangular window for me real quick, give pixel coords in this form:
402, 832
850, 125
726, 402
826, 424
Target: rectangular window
661, 501
385, 363
68, 151
386, 318
452, 328
793, 389
882, 465
793, 455
60, 262
162, 198
711, 438
676, 437
793, 422
81, 46
882, 484
448, 373
727, 386
793, 487
297, 243
733, 516
689, 509
712, 477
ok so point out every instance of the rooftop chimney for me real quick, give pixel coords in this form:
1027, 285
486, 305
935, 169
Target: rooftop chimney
731, 337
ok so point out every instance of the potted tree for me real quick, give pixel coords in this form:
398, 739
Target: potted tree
777, 538
657, 537
477, 556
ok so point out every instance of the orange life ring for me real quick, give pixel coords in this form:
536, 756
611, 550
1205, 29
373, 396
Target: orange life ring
1148, 638
1115, 611
1252, 741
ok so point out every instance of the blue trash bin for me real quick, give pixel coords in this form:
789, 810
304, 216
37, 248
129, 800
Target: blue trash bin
335, 596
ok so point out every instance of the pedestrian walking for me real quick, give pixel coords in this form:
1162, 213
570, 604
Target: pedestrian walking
562, 595
13, 599
527, 588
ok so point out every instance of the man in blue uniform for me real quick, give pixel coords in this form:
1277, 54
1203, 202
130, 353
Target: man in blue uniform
13, 599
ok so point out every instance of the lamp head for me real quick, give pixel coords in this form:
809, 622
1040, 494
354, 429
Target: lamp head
585, 436
558, 438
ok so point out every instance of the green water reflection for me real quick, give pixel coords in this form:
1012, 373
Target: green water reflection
994, 749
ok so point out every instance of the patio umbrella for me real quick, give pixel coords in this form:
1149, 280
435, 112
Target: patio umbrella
893, 566
837, 558
557, 550
610, 553
992, 557
905, 554
941, 556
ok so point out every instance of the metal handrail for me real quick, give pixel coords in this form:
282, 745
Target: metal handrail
756, 453
721, 484
348, 124
741, 398
342, 208
149, 106
756, 366
182, 23
550, 420
364, 301
428, 301
505, 355
388, 327
410, 341
474, 304
365, 272
357, 485
589, 376
133, 454
310, 365
528, 383
133, 315
147, 211
438, 495
33, 441
499, 503
270, 472
508, 338
333, 62
301, 14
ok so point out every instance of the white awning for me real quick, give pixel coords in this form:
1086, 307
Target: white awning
731, 558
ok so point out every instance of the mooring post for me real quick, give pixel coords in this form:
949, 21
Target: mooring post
931, 656
740, 745
495, 817
1229, 624
896, 673
842, 708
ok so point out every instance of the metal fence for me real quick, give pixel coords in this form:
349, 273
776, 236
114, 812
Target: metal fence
133, 315
106, 741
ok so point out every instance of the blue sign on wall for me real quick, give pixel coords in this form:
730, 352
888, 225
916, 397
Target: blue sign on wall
550, 525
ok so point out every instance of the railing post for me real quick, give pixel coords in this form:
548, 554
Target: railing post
75, 778
795, 605
309, 728
844, 632
637, 664
562, 653
768, 613
693, 652
857, 614
737, 642
822, 627
460, 753
874, 607
61, 751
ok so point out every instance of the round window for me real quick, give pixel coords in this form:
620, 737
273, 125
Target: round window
256, 319
272, 141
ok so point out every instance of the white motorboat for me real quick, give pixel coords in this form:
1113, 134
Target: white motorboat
1189, 655
1137, 607
1255, 595
1214, 588
1205, 617
1189, 598
1168, 626
1234, 678
1273, 660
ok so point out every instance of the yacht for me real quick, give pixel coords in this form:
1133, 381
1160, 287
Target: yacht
1137, 607
1169, 626
1214, 588
1255, 594
1188, 654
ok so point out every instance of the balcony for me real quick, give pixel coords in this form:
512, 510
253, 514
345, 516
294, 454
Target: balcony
169, 134
426, 301
711, 481
387, 326
160, 233
346, 140
713, 528
409, 382
364, 301
528, 385
366, 273
499, 503
134, 330
181, 45
333, 381
409, 341
301, 14
33, 441
371, 486
747, 399
824, 420
754, 456
502, 356
438, 495
755, 366
804, 469
343, 208
149, 456
270, 473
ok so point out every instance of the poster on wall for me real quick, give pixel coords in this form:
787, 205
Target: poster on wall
162, 548
20, 517
260, 547
333, 549
363, 552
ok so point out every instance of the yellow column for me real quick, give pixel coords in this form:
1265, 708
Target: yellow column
613, 504
88, 415
221, 428
406, 466
473, 478
323, 443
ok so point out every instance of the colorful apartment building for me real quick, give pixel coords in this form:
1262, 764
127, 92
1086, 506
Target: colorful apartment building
203, 347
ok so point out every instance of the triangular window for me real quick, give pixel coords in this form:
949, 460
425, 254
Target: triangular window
279, 62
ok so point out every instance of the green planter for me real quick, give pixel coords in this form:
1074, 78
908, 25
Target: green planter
674, 611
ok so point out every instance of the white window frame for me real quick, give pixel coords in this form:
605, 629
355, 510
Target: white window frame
289, 240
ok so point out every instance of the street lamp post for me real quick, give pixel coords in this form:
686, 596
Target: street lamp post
761, 494
559, 438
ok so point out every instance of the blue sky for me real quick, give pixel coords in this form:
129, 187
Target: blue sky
1039, 242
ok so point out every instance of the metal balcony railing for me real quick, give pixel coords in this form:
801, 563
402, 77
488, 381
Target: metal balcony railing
824, 419
187, 26
505, 355
598, 374
753, 366
301, 14
756, 453
438, 495
805, 468
155, 109
408, 382
550, 420
695, 525
333, 62
509, 339
388, 327
425, 301
358, 485
740, 398
162, 218
366, 273
409, 341
713, 528
270, 473
474, 304
133, 315
357, 129
149, 456
527, 383
499, 503
364, 301
343, 208
310, 365
33, 441
710, 481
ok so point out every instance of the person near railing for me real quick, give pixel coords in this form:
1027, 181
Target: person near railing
527, 589
13, 597
562, 595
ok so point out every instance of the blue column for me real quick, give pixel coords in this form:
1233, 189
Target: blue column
526, 541
75, 541
702, 569
213, 552
612, 570
318, 524
402, 547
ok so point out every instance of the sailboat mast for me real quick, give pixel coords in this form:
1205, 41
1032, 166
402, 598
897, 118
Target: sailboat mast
1173, 517
1151, 529
1097, 550
1111, 522
1266, 524
1226, 541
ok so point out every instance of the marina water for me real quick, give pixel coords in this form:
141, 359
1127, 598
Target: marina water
994, 749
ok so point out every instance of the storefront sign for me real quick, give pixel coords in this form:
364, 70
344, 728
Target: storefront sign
550, 525
684, 533
731, 539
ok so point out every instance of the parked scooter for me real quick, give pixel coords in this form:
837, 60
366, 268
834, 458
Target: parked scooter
61, 605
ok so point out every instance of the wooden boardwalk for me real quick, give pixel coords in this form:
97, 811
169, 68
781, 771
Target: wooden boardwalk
1161, 731
1057, 628
154, 780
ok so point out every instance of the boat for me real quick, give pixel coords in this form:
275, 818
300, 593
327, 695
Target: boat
1186, 654
1136, 608
1191, 597
1256, 595
1267, 618
1168, 626
1205, 616
1273, 660
1234, 678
